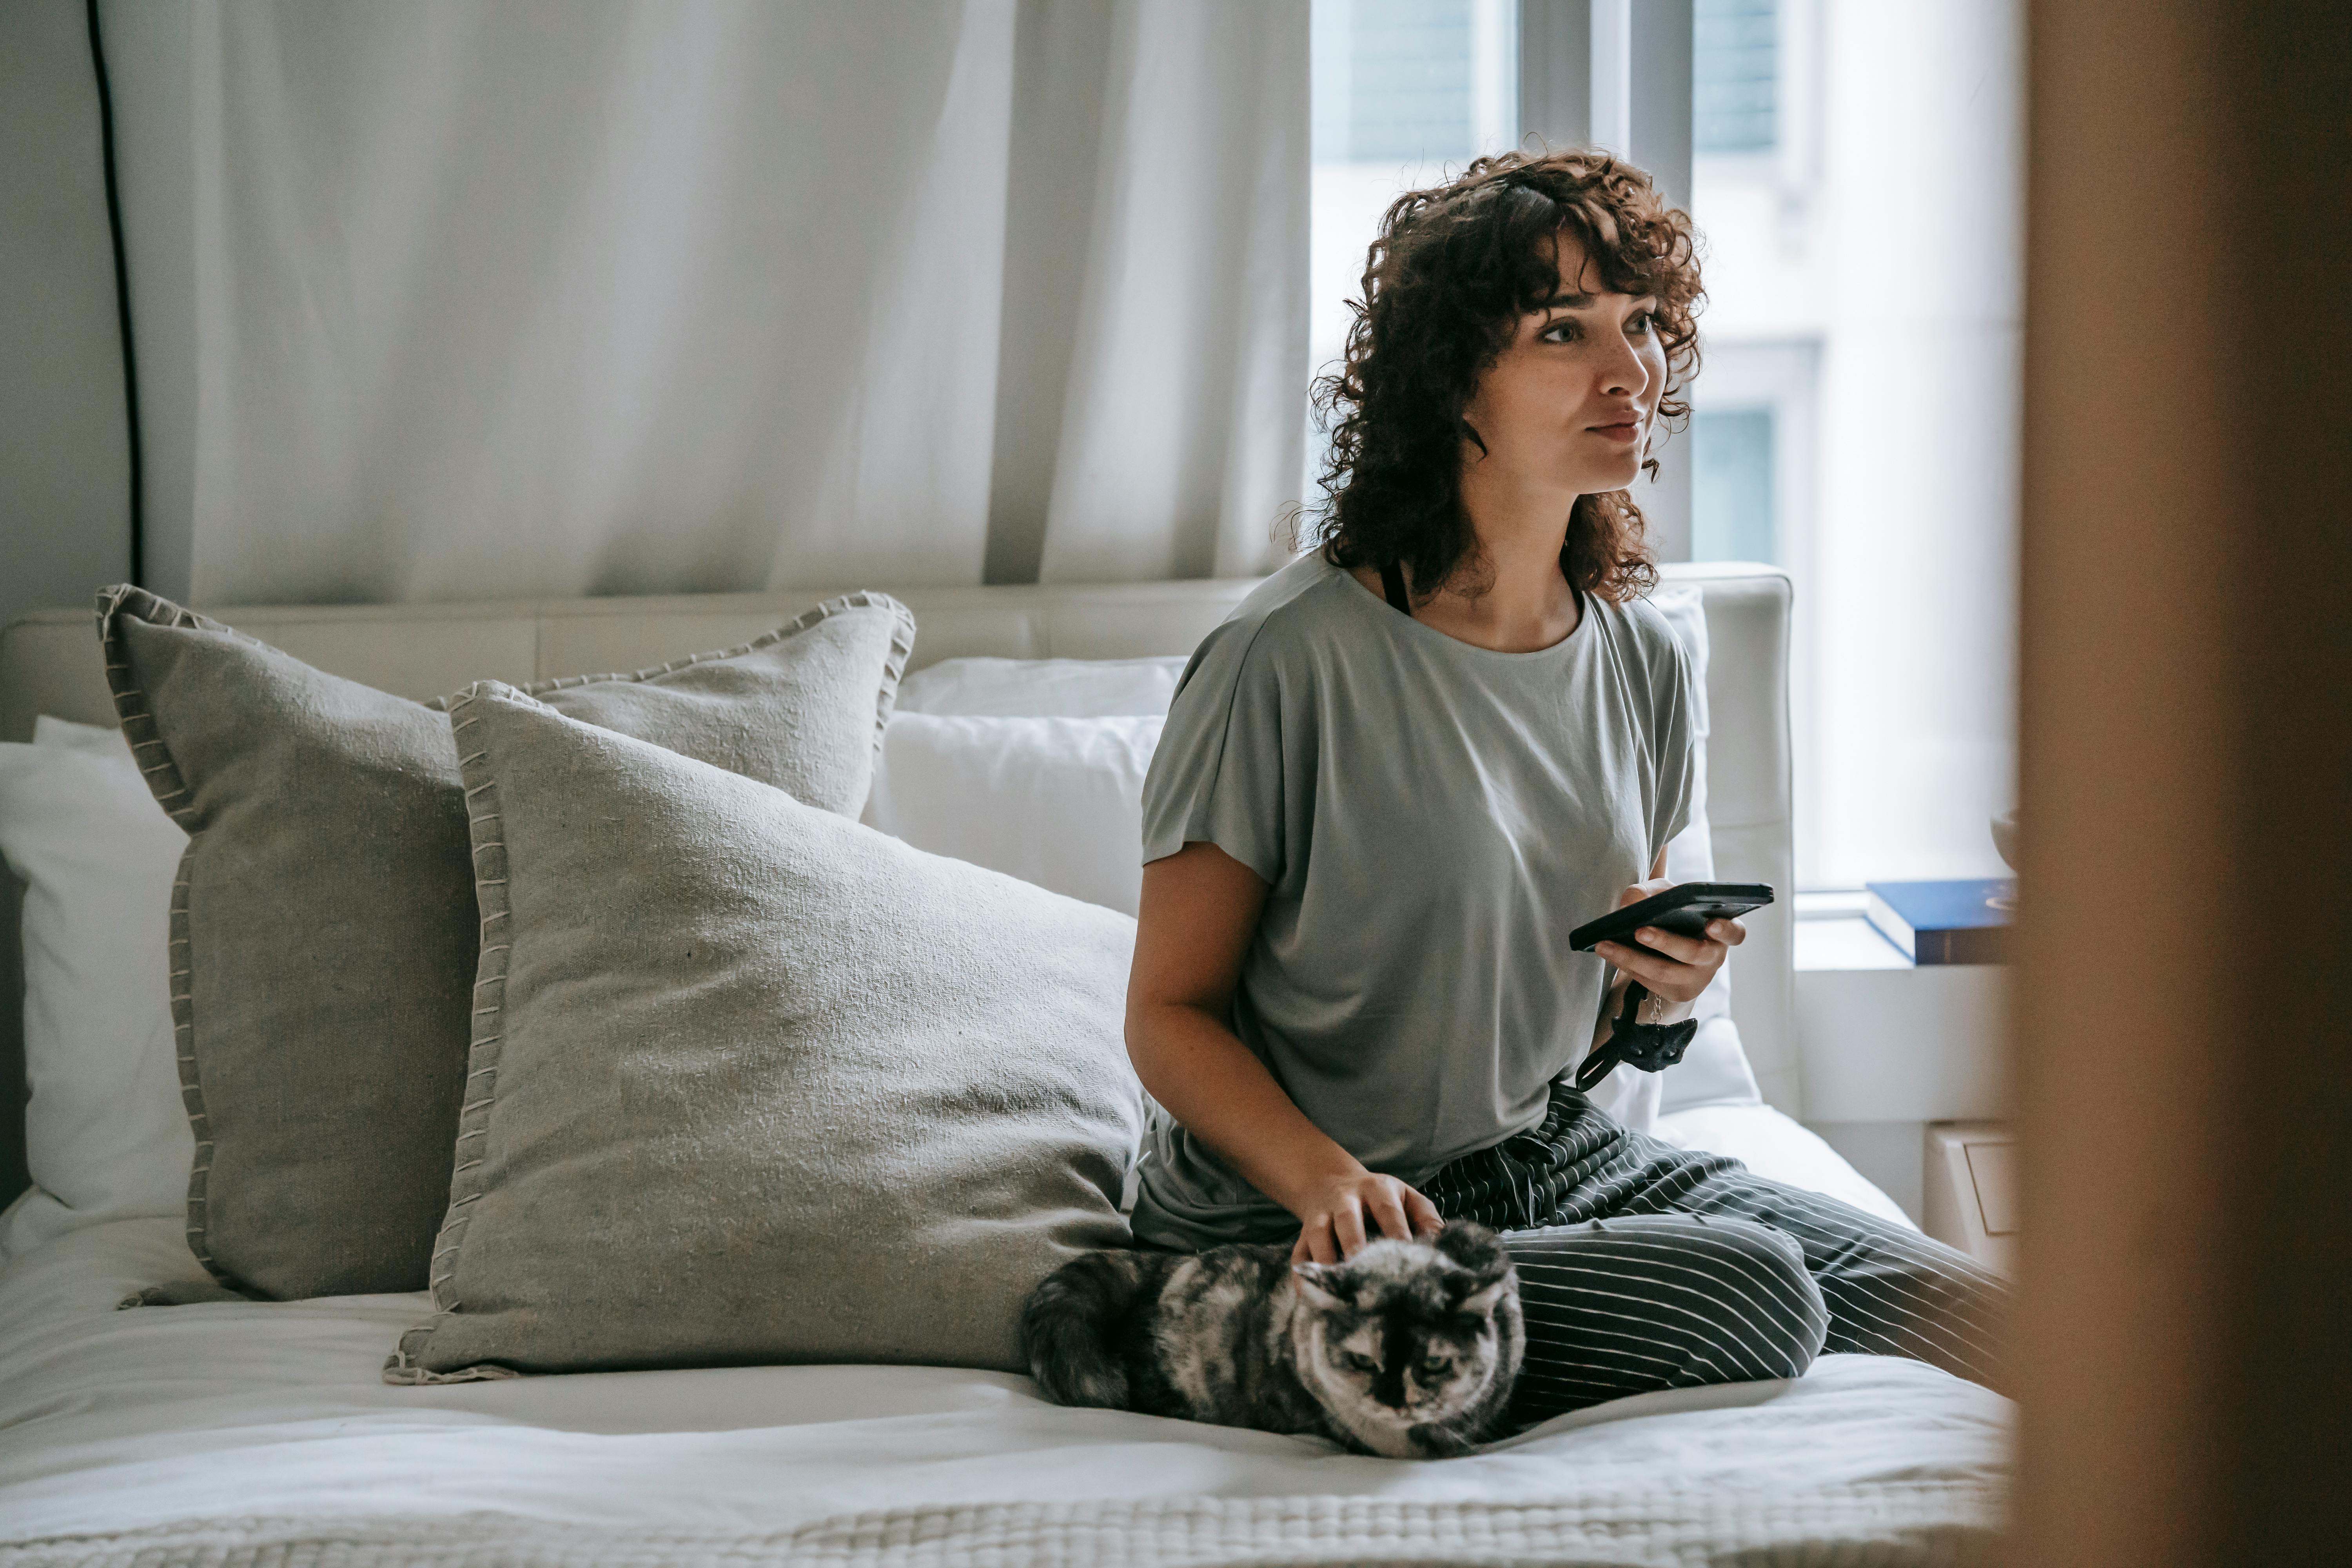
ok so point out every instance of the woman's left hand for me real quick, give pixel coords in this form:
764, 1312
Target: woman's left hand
1676, 968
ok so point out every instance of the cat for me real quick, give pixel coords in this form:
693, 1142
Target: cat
1409, 1349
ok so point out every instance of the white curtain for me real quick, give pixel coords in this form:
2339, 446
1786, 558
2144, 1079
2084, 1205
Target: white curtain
491, 297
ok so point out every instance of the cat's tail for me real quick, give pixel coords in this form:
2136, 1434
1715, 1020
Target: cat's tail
1069, 1330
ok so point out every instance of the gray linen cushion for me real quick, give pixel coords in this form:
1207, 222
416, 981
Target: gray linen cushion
753, 1083
323, 928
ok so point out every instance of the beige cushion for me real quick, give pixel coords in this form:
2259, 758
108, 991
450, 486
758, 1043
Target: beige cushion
753, 1083
324, 927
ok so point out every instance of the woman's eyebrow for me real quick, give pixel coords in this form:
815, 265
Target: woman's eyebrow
1586, 301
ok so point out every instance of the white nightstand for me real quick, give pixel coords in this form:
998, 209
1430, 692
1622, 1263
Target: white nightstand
1971, 1197
1885, 1047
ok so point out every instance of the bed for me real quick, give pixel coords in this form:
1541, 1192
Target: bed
262, 1432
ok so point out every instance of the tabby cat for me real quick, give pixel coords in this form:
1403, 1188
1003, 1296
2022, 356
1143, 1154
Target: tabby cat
1409, 1349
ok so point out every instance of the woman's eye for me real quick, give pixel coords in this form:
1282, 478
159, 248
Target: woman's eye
1560, 333
1641, 326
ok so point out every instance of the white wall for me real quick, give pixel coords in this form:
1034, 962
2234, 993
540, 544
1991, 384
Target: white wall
1889, 238
64, 481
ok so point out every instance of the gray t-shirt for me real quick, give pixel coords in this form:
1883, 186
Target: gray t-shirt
1433, 819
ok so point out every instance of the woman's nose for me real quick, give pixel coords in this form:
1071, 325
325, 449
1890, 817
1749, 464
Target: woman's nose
1624, 374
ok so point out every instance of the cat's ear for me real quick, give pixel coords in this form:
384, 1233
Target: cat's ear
1475, 1248
1314, 1284
1483, 1301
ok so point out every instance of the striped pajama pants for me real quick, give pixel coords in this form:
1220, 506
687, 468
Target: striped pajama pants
1645, 1266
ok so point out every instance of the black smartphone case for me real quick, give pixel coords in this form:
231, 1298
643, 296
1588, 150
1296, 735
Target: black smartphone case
1684, 909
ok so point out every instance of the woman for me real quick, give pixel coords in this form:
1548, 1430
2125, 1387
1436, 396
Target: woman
1409, 765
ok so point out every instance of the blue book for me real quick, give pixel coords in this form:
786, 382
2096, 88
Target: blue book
1945, 922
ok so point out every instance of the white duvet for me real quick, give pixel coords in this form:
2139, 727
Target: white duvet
236, 1432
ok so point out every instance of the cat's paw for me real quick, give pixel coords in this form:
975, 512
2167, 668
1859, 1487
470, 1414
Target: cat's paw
1431, 1441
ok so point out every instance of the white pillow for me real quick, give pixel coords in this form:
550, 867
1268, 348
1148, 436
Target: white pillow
105, 1133
1779, 1149
1714, 1070
1042, 688
1054, 800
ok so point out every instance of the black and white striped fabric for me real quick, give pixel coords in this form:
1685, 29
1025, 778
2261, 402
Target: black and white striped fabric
1645, 1267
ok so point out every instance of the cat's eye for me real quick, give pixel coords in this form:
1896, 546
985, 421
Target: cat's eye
1435, 1366
1361, 1363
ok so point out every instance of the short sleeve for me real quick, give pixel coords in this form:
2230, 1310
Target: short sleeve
1673, 732
1218, 773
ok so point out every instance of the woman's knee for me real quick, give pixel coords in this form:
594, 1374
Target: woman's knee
1773, 1305
1682, 1300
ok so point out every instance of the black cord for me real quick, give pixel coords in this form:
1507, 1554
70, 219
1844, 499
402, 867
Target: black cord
121, 305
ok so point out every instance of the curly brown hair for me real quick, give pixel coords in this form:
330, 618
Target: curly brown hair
1453, 270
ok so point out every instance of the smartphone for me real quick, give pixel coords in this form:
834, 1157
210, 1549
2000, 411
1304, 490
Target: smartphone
1684, 909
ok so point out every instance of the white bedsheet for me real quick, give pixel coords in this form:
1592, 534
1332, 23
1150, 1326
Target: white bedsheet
159, 1417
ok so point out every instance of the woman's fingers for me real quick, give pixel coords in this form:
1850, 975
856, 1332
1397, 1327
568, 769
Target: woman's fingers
1692, 950
1386, 1206
1426, 1220
1675, 980
1731, 933
1347, 1226
1640, 890
1665, 976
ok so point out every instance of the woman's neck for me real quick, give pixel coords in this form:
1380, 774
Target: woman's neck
1511, 596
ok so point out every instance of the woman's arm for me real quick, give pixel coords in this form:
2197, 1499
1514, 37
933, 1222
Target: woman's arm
1676, 978
1199, 912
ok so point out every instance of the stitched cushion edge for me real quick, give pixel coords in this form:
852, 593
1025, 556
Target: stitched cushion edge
894, 666
173, 794
485, 831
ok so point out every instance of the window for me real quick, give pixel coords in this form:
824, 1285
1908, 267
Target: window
1735, 76
1731, 487
1406, 92
1855, 174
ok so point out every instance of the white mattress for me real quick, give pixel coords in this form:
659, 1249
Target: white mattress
235, 1431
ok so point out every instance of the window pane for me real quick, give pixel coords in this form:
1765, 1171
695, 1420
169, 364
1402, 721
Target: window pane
1735, 76
1406, 92
1731, 487
1863, 289
1408, 82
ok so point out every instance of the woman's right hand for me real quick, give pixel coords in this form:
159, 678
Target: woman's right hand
1333, 1214
1199, 912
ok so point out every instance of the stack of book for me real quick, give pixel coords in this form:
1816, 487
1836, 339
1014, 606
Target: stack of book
1945, 922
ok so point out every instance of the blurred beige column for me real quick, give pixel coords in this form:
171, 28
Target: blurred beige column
2185, 1353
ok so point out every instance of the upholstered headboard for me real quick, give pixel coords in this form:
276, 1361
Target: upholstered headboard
49, 664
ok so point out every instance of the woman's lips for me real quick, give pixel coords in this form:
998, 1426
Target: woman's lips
1629, 431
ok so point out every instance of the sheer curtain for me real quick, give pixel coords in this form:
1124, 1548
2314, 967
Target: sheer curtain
470, 299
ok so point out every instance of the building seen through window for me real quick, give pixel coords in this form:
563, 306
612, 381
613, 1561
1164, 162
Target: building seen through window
1735, 76
1406, 94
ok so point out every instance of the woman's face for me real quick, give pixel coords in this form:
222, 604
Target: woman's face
1567, 407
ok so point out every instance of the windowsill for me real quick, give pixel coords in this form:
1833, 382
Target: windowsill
1844, 941
1881, 1039
1833, 933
